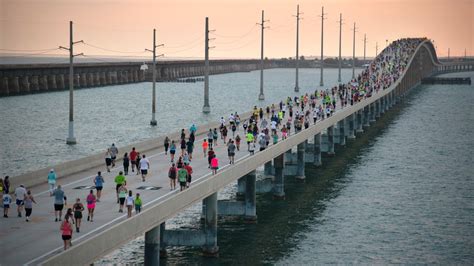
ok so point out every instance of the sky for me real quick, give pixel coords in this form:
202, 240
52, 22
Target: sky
124, 27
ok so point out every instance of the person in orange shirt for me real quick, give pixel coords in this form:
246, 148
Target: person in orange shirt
205, 145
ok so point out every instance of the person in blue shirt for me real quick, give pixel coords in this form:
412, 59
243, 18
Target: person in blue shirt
99, 184
51, 181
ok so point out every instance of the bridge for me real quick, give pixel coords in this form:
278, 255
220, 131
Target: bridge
40, 242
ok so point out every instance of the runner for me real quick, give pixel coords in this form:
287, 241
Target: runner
6, 184
252, 148
99, 184
172, 173
122, 191
205, 145
108, 159
237, 142
183, 146
66, 232
130, 203
210, 155
250, 139
7, 200
51, 181
137, 162
214, 137
210, 137
20, 194
113, 152
126, 163
231, 151
91, 200
144, 166
78, 209
167, 144
189, 169
189, 149
224, 133
214, 164
29, 200
133, 159
119, 181
59, 202
172, 150
138, 203
182, 177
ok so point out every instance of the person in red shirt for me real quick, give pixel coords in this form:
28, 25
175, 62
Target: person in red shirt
133, 158
189, 169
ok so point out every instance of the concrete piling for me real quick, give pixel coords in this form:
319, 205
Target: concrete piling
317, 150
279, 183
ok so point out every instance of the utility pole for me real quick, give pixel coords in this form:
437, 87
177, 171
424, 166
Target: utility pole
376, 49
353, 51
449, 52
71, 139
365, 42
465, 53
206, 108
321, 83
261, 96
340, 40
297, 88
153, 102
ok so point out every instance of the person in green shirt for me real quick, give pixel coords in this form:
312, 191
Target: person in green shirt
119, 181
138, 203
182, 178
122, 194
250, 139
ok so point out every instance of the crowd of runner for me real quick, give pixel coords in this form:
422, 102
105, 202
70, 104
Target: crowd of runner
265, 126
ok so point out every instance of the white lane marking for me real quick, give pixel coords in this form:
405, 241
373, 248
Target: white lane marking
122, 216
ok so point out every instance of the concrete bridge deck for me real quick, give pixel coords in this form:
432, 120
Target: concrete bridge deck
39, 241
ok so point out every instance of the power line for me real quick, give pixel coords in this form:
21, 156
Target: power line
20, 50
236, 36
239, 47
29, 55
114, 51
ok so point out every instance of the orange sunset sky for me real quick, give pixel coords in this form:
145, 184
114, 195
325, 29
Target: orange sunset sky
124, 28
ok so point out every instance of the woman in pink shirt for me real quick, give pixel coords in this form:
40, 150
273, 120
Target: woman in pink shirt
91, 200
214, 164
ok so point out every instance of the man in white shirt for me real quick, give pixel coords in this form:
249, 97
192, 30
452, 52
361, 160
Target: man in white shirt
144, 166
20, 193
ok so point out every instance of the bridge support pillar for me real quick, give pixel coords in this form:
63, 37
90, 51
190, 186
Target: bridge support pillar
268, 168
317, 150
366, 122
342, 132
152, 247
300, 161
372, 113
359, 123
387, 102
330, 141
250, 197
240, 188
377, 108
382, 105
279, 183
352, 121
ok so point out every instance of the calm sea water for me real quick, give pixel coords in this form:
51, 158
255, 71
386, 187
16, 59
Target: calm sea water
34, 127
402, 192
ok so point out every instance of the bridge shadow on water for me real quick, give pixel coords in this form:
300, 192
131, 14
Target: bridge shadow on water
282, 223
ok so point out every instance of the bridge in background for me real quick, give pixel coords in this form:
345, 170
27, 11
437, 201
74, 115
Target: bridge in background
286, 158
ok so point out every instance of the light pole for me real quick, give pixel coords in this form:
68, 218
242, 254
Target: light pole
71, 139
340, 41
206, 108
321, 82
297, 88
353, 51
153, 104
261, 96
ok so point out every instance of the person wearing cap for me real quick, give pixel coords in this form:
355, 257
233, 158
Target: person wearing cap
113, 152
51, 181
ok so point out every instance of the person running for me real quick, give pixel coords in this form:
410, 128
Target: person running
190, 148
91, 200
78, 208
133, 159
205, 145
122, 191
231, 151
183, 134
7, 201
99, 184
233, 128
59, 202
172, 174
252, 148
29, 200
182, 177
20, 194
214, 137
66, 231
214, 164
144, 167
189, 169
183, 146
137, 162
130, 203
224, 133
51, 181
113, 154
126, 163
119, 181
210, 137
138, 203
237, 142
250, 139
172, 150
108, 159
6, 184
210, 155
167, 144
